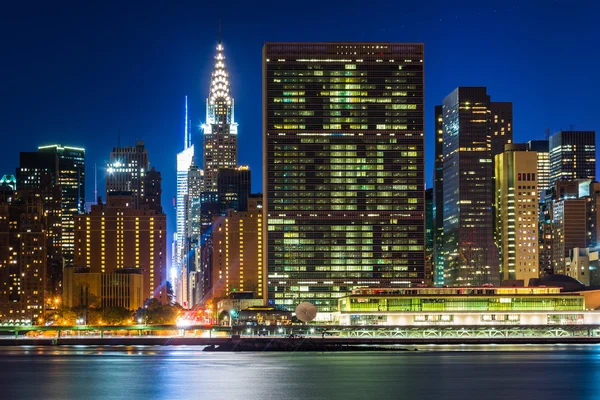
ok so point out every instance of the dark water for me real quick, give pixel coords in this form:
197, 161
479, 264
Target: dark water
434, 372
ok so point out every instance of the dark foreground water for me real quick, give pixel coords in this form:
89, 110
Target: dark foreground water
434, 372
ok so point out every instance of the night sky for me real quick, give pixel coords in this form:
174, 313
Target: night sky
76, 73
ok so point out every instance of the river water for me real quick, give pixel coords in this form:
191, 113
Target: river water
433, 372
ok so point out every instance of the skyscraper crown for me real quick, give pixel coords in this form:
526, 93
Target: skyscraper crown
219, 85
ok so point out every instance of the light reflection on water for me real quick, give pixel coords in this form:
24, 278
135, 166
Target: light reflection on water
185, 372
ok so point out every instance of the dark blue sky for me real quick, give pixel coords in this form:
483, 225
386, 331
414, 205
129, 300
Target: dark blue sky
75, 73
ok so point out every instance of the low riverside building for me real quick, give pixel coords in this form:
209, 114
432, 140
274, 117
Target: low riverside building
464, 307
122, 288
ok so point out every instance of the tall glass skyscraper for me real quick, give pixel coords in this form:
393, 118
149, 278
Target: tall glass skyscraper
343, 171
470, 126
438, 199
572, 155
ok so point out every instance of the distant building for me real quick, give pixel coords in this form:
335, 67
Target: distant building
122, 288
582, 265
516, 206
572, 155
429, 233
474, 130
234, 186
220, 128
237, 262
57, 174
22, 257
569, 229
116, 235
10, 181
438, 199
126, 171
541, 148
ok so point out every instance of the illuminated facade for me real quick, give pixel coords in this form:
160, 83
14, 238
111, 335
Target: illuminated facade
516, 208
126, 171
343, 172
122, 288
438, 199
234, 188
184, 162
22, 257
57, 173
470, 126
541, 147
472, 306
220, 129
569, 229
117, 235
572, 155
237, 263
10, 181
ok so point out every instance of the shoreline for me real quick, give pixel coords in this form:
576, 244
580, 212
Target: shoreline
279, 344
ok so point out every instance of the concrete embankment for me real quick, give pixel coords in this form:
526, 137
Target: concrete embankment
287, 344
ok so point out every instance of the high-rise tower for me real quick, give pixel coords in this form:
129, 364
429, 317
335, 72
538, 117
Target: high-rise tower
474, 128
343, 169
572, 156
220, 128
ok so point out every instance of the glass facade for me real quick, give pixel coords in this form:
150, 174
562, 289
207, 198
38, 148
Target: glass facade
438, 199
461, 303
572, 156
343, 177
470, 123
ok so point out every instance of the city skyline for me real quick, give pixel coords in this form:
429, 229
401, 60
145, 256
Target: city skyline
170, 79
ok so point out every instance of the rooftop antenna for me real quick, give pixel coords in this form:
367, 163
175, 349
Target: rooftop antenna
571, 127
219, 30
118, 137
186, 139
547, 133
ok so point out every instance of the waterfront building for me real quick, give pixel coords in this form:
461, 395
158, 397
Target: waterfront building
22, 257
237, 244
516, 207
343, 172
121, 288
472, 123
541, 148
467, 306
117, 235
438, 198
220, 129
572, 155
569, 229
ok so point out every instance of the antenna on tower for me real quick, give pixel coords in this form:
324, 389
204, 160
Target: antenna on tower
571, 127
118, 137
547, 133
219, 30
186, 140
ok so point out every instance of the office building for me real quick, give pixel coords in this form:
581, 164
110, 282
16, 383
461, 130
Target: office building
516, 209
470, 127
541, 147
233, 185
126, 171
569, 229
572, 156
429, 232
583, 265
184, 162
343, 170
237, 263
122, 288
116, 235
438, 199
501, 118
220, 128
22, 257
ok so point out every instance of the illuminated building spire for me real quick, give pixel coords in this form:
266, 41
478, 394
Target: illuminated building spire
219, 95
